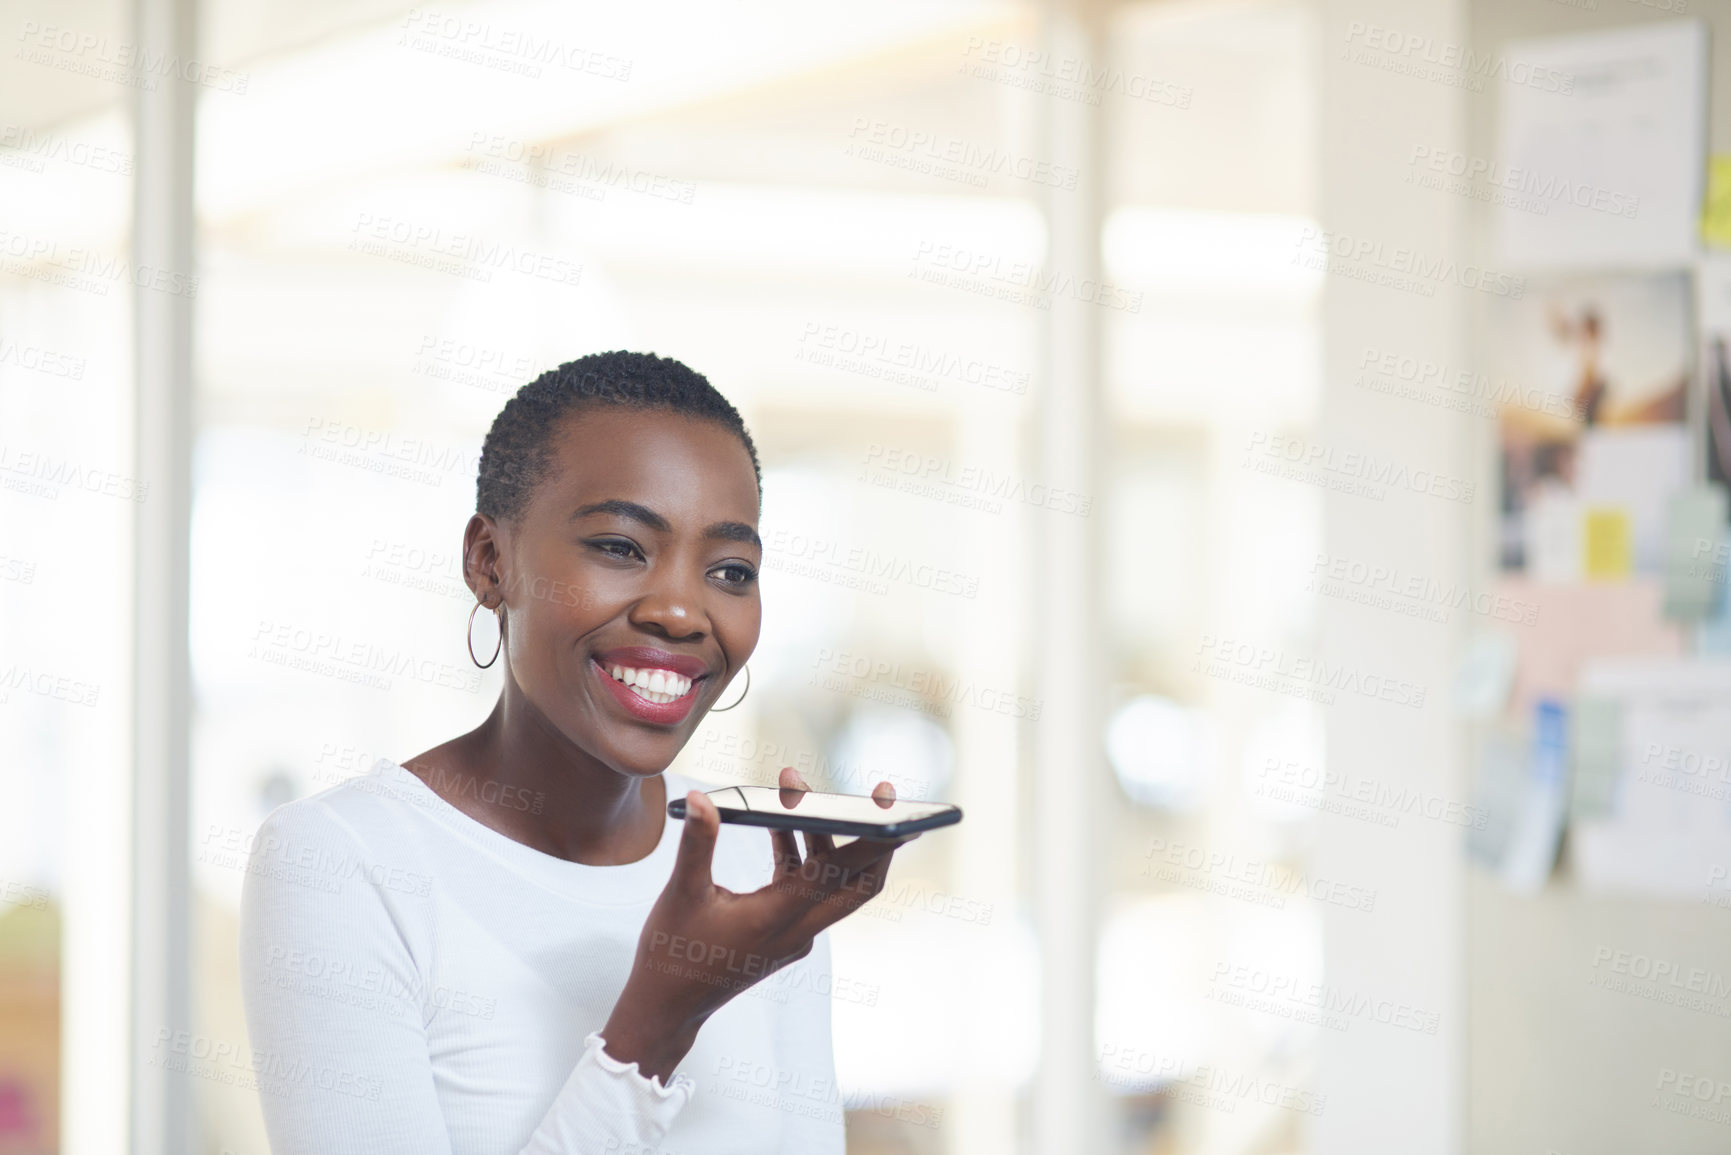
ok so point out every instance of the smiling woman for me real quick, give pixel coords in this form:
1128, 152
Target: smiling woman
430, 968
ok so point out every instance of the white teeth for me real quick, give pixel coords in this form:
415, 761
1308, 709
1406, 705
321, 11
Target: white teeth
658, 686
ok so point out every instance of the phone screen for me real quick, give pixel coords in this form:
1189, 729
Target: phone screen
812, 804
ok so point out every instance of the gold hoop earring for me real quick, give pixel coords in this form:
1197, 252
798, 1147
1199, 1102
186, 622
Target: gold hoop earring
471, 639
747, 690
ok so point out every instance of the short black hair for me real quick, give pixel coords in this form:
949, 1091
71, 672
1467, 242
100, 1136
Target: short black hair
519, 447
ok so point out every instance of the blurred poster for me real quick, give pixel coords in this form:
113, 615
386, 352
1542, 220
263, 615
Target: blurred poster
1713, 278
1665, 828
1593, 380
1602, 151
1522, 789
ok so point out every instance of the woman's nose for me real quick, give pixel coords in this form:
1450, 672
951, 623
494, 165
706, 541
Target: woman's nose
672, 607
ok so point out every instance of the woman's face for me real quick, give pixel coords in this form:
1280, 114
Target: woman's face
630, 581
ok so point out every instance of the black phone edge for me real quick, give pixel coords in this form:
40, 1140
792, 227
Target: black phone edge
950, 817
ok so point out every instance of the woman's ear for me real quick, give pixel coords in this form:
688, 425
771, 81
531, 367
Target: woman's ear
484, 561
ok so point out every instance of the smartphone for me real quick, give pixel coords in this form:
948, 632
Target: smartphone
810, 810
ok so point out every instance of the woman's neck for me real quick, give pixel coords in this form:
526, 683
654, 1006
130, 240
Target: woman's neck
518, 775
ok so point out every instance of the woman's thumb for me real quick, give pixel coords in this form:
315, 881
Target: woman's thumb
697, 844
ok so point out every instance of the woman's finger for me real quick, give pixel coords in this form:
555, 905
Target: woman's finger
786, 851
791, 779
859, 889
819, 877
792, 786
884, 794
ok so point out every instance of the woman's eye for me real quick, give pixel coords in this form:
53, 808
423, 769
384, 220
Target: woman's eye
613, 547
736, 574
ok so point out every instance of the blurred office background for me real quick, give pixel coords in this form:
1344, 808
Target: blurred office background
1039, 316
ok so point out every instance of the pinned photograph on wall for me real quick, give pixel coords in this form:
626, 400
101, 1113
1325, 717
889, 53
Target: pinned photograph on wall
1713, 286
1593, 440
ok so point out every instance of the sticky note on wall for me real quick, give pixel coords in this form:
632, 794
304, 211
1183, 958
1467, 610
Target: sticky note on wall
1607, 543
1716, 208
1597, 756
1695, 553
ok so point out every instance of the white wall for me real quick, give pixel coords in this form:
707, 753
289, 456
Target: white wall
1390, 1088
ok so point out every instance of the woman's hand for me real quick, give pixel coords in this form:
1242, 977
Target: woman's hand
703, 943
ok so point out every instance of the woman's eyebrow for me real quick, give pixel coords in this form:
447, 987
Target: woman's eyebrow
720, 531
733, 531
626, 509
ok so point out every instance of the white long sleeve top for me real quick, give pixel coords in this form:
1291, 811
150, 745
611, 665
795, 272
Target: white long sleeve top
417, 983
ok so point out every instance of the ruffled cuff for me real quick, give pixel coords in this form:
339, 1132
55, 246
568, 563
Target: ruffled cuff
677, 1093
604, 1102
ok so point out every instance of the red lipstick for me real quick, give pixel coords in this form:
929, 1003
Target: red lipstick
642, 658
